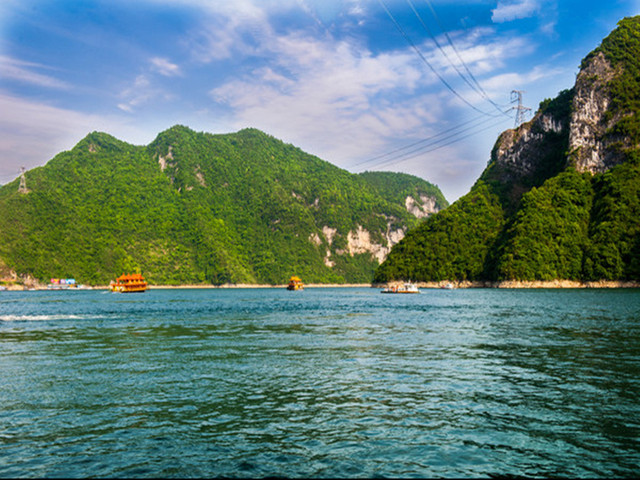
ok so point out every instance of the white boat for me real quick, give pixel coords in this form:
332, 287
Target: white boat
405, 288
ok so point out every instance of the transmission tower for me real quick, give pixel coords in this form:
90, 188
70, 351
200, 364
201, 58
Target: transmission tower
516, 95
23, 182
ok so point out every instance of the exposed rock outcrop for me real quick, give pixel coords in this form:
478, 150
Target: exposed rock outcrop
587, 127
534, 150
519, 150
559, 201
590, 144
422, 208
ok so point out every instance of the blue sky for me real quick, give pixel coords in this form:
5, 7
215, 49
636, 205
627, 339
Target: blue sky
415, 86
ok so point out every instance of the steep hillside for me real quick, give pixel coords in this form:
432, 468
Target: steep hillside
201, 208
560, 197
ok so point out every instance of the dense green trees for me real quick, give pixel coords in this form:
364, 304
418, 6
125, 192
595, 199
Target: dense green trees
198, 208
575, 226
537, 218
547, 237
452, 244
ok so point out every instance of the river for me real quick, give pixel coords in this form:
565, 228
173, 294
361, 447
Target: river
326, 382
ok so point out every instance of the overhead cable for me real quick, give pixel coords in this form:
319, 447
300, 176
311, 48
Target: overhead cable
442, 50
471, 80
438, 144
422, 57
450, 41
426, 140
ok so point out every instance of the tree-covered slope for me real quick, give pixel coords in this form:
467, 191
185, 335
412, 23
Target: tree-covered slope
560, 198
201, 208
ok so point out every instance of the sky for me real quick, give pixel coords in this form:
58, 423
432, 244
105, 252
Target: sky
417, 86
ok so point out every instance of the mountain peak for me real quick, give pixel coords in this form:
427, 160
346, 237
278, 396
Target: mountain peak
195, 207
100, 141
560, 197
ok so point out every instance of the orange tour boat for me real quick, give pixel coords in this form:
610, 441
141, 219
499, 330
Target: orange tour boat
295, 283
131, 283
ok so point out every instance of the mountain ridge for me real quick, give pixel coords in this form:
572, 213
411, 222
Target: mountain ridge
198, 208
560, 197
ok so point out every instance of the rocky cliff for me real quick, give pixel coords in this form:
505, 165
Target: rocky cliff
560, 197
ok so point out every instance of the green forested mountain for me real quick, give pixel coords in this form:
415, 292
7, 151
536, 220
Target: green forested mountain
202, 208
560, 197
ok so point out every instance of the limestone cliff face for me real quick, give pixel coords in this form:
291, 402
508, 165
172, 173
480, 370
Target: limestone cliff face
582, 123
560, 197
360, 240
590, 145
525, 157
423, 208
519, 151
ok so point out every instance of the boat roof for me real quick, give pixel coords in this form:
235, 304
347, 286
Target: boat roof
131, 276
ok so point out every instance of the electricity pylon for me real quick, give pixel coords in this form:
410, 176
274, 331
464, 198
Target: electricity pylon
23, 182
520, 110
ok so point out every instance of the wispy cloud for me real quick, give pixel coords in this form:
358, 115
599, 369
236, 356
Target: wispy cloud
143, 91
509, 10
520, 79
35, 132
229, 29
317, 88
481, 49
24, 72
165, 67
320, 89
331, 76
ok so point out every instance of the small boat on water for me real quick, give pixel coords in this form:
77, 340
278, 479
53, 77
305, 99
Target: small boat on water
295, 283
131, 283
405, 288
448, 286
62, 284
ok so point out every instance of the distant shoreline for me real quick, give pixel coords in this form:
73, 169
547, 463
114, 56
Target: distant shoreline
514, 284
251, 285
506, 284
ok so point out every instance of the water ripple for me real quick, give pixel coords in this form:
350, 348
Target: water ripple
324, 383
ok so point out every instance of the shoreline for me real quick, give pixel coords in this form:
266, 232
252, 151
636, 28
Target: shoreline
505, 284
532, 284
258, 285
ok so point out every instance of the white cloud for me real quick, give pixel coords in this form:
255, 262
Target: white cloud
226, 30
516, 81
512, 10
332, 97
165, 67
23, 72
33, 133
482, 50
320, 89
142, 92
338, 100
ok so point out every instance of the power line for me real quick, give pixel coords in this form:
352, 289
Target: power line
422, 57
437, 144
434, 143
482, 92
424, 140
442, 50
438, 147
431, 139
